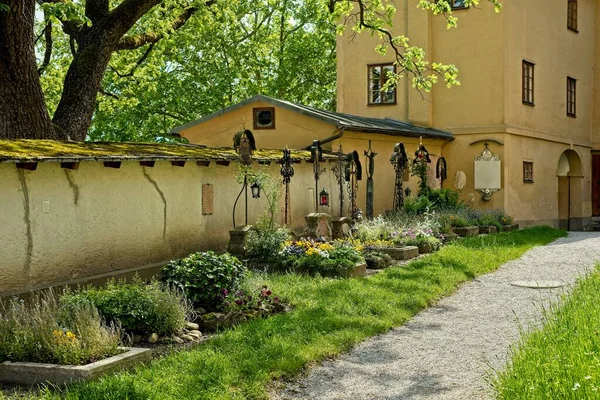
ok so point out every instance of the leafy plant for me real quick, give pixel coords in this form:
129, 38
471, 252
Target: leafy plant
445, 200
202, 277
45, 330
137, 306
261, 242
417, 205
261, 302
420, 169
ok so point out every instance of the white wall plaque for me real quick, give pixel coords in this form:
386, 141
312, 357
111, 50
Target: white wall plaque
487, 173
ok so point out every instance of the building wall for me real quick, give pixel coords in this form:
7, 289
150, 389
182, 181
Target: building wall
537, 32
62, 225
291, 129
384, 177
488, 49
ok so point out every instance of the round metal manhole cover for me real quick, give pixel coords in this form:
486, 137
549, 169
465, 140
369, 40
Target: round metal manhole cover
538, 284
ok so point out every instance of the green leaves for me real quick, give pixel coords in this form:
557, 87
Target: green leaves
66, 11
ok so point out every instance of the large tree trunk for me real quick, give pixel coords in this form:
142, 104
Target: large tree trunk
74, 113
23, 112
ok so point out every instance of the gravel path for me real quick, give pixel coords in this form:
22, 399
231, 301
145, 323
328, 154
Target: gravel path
445, 351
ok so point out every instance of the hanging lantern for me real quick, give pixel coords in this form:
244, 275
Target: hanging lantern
324, 197
255, 188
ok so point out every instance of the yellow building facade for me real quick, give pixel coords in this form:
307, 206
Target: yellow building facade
527, 90
557, 39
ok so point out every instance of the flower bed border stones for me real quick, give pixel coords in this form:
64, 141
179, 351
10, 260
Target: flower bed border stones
449, 237
510, 228
487, 229
30, 374
401, 253
360, 269
466, 231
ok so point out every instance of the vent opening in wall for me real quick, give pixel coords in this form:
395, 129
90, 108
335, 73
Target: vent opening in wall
264, 118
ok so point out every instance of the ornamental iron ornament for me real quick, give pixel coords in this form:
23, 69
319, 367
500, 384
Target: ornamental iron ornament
244, 144
287, 172
353, 174
399, 161
339, 172
316, 157
370, 154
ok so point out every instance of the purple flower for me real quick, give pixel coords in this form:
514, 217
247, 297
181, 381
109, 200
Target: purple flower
224, 292
239, 302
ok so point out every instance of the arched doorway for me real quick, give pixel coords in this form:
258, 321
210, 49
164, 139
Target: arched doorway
570, 179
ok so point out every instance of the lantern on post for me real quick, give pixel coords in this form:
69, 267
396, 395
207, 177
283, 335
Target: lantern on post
244, 143
316, 157
255, 188
420, 167
324, 197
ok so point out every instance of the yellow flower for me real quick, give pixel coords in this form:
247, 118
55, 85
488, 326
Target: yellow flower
56, 332
71, 335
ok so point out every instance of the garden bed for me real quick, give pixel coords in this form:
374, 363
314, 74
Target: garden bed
486, 230
30, 374
400, 253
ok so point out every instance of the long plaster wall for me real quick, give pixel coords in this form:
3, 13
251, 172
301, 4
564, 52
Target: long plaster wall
60, 225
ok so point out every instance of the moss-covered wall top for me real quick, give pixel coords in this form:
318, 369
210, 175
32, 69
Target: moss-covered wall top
51, 150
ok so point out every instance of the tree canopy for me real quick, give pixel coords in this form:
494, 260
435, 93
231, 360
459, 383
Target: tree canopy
139, 67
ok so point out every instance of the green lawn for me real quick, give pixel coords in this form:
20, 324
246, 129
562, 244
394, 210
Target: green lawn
330, 316
561, 360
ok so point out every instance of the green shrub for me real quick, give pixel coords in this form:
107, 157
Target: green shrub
262, 242
138, 307
203, 277
377, 260
44, 330
444, 199
417, 205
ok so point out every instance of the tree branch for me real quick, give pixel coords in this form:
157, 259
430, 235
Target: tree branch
137, 64
109, 94
48, 49
137, 41
95, 10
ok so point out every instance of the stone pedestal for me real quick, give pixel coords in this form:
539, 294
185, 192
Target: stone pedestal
341, 227
237, 240
317, 225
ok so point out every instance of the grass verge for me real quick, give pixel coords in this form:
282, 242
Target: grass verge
562, 359
330, 316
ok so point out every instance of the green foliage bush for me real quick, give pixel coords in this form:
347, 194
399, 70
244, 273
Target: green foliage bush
263, 243
444, 200
203, 276
45, 330
138, 307
417, 205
